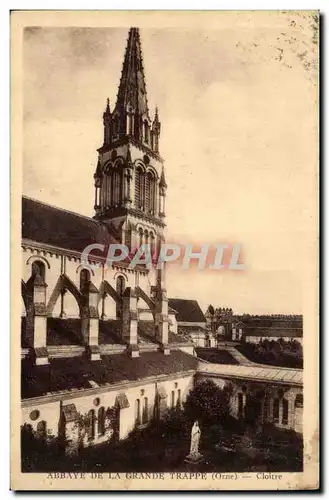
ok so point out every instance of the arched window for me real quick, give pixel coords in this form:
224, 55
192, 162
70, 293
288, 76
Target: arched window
84, 278
141, 236
101, 421
285, 411
38, 269
150, 193
145, 411
276, 410
152, 245
116, 187
120, 285
138, 412
179, 401
172, 399
42, 429
91, 425
139, 188
146, 235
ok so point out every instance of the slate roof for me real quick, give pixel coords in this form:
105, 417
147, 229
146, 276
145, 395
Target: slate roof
64, 374
187, 310
61, 228
63, 331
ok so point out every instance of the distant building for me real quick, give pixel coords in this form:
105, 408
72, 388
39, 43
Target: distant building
271, 327
187, 319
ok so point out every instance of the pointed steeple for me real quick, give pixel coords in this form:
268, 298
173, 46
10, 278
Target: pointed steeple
132, 88
131, 114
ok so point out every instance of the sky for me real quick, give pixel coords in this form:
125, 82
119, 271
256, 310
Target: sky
238, 105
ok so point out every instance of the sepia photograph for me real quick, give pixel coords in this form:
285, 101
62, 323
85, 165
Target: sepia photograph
165, 247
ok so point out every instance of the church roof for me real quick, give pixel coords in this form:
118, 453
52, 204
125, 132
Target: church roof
188, 310
61, 228
65, 374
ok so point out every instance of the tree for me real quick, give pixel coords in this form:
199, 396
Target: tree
207, 403
211, 310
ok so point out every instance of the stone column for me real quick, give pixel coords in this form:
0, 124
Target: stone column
130, 321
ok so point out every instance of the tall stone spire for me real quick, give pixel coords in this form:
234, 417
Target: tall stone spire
131, 114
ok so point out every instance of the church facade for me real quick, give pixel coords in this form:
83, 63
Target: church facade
100, 350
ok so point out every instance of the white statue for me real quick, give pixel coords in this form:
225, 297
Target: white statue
194, 454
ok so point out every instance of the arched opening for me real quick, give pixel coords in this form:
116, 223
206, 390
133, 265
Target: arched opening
116, 187
152, 245
285, 411
145, 411
38, 268
139, 188
137, 412
101, 421
91, 425
140, 237
42, 429
276, 410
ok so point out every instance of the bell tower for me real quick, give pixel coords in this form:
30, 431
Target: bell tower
130, 185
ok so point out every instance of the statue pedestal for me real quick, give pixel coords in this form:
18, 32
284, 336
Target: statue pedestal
194, 458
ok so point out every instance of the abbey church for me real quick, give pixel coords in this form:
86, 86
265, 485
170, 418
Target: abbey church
100, 341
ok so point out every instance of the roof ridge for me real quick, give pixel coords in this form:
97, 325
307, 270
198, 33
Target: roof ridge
60, 209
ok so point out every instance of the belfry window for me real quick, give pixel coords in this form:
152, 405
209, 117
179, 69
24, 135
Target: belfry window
101, 421
116, 187
139, 188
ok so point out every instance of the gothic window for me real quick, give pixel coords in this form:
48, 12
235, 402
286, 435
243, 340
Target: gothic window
276, 410
38, 269
146, 234
91, 425
285, 411
101, 421
172, 399
139, 188
116, 187
140, 233
179, 401
145, 411
120, 285
152, 192
152, 245
147, 192
138, 412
